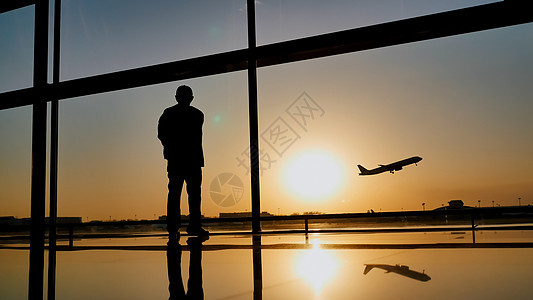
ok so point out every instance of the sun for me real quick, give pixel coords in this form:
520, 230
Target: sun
313, 175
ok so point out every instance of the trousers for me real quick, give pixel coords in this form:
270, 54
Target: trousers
192, 177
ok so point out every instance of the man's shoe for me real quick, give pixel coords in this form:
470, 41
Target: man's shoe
197, 240
198, 231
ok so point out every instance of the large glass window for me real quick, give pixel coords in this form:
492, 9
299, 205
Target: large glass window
461, 103
106, 36
111, 161
15, 187
16, 49
15, 162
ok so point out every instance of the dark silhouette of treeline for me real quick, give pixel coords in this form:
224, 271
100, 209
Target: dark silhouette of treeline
446, 215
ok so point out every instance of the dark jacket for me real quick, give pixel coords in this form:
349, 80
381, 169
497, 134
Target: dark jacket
180, 132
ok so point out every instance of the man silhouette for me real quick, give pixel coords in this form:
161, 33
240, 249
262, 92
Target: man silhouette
180, 132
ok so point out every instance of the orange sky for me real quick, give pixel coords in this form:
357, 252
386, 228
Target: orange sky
462, 103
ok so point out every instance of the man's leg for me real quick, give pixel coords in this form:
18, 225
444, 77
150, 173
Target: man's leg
175, 185
194, 192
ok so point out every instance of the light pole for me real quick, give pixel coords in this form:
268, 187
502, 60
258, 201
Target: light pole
424, 206
519, 201
492, 203
479, 203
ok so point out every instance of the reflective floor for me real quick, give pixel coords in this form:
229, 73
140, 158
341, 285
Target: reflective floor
290, 266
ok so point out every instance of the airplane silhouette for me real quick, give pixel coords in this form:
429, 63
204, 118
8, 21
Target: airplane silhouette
396, 166
399, 269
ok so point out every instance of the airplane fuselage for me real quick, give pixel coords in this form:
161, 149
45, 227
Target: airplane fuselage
396, 166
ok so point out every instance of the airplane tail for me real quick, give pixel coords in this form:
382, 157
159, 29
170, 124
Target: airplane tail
362, 169
367, 269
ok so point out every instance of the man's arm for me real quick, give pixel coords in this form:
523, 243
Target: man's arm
162, 131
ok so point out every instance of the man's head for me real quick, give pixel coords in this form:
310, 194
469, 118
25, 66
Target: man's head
184, 95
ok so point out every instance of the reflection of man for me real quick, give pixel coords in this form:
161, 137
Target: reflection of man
194, 285
180, 132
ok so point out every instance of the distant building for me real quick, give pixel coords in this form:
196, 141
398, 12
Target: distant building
64, 220
12, 221
242, 215
183, 217
454, 204
7, 220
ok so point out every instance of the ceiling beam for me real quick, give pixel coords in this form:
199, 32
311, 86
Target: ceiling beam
9, 5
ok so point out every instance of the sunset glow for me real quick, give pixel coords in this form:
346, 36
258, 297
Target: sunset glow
313, 175
317, 267
461, 102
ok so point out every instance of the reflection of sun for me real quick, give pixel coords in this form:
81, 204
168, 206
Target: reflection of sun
317, 267
313, 175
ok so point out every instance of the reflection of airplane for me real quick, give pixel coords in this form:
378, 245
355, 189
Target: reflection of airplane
396, 166
399, 269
